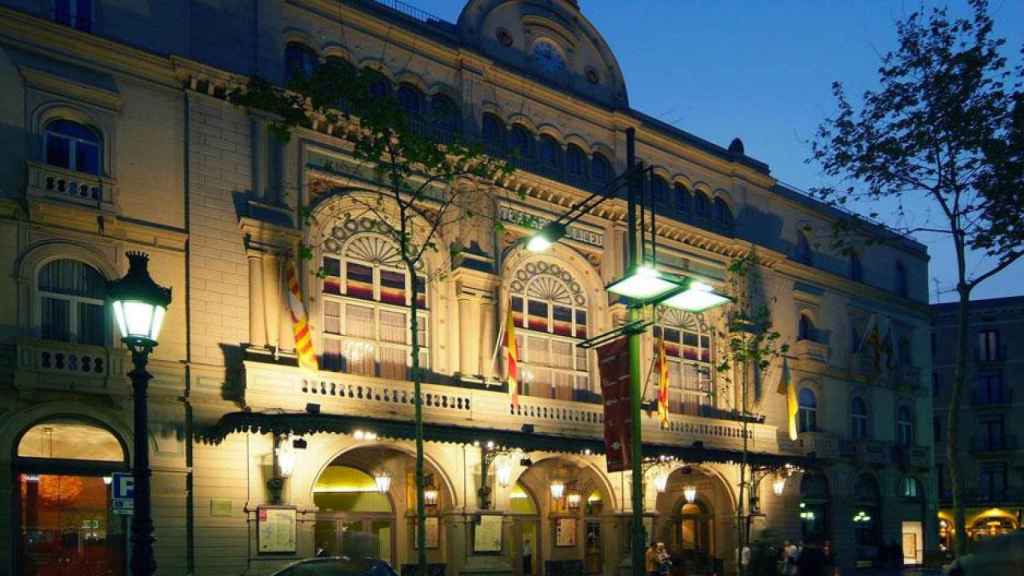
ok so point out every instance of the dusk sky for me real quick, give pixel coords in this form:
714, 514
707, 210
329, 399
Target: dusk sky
763, 71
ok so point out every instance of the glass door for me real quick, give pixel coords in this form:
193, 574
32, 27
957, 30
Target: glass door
355, 537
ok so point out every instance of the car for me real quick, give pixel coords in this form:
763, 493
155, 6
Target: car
337, 566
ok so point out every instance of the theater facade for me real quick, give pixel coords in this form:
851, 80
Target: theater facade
119, 137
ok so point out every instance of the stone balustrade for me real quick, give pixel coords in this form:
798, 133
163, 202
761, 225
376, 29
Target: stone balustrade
53, 182
46, 364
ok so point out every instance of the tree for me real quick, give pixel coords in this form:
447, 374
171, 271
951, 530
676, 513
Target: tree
752, 346
412, 176
944, 128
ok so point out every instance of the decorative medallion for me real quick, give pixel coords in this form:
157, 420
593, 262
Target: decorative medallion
592, 76
504, 37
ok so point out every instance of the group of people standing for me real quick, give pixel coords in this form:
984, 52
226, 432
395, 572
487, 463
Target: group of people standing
800, 560
657, 560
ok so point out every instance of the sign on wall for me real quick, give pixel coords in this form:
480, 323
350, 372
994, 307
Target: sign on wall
613, 362
487, 534
122, 490
275, 530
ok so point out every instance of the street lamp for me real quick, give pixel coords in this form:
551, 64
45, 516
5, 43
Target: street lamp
696, 296
139, 306
551, 232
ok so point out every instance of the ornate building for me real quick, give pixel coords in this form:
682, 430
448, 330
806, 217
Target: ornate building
119, 137
992, 457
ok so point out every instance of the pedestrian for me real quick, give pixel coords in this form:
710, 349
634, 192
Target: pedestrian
830, 559
664, 561
651, 563
789, 558
527, 558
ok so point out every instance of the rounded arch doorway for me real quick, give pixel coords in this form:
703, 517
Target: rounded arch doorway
65, 523
690, 512
366, 507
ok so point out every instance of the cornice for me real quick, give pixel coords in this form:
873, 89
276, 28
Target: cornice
81, 219
83, 92
44, 36
797, 271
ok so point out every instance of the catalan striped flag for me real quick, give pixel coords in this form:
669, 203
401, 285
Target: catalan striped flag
512, 364
662, 384
300, 323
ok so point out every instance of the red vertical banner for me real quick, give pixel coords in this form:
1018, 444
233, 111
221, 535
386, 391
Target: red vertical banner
613, 361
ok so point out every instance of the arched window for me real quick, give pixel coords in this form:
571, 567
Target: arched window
346, 72
684, 198
902, 287
70, 439
808, 410
806, 329
550, 310
689, 349
814, 506
723, 215
520, 142
858, 419
73, 146
803, 252
379, 85
701, 207
904, 426
444, 114
600, 168
366, 295
550, 153
300, 61
659, 189
72, 303
493, 130
575, 161
411, 100
74, 13
856, 268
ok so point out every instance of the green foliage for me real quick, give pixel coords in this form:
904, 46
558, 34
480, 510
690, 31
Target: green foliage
750, 337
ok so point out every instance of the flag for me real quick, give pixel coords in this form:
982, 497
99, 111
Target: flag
300, 323
662, 384
787, 387
512, 364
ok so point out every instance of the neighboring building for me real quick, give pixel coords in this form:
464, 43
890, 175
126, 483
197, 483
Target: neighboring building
117, 137
990, 435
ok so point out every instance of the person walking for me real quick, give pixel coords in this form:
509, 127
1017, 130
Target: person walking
527, 558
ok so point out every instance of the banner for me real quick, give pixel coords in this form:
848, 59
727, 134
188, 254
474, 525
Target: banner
662, 385
512, 362
613, 362
300, 324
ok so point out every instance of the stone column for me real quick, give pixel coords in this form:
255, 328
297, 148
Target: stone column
272, 302
469, 342
257, 318
488, 336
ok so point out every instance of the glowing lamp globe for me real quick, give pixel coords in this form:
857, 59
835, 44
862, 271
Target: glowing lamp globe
779, 485
697, 297
139, 303
643, 283
544, 238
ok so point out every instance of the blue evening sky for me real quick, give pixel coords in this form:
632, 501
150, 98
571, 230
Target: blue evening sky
763, 71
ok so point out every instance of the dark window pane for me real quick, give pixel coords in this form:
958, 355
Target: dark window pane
87, 158
538, 315
574, 160
392, 287
58, 151
92, 327
55, 319
359, 281
83, 15
562, 317
62, 11
73, 278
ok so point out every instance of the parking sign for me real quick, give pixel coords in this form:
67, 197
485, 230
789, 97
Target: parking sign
123, 493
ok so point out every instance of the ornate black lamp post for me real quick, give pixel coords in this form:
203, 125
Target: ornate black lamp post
139, 306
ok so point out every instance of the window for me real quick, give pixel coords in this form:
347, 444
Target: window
856, 269
936, 385
444, 114
575, 160
700, 205
859, 419
493, 131
806, 330
937, 429
911, 488
366, 294
411, 100
379, 85
74, 13
803, 252
550, 309
723, 215
943, 480
902, 288
601, 168
548, 57
341, 68
689, 349
866, 520
988, 345
992, 434
989, 389
808, 410
73, 146
69, 439
300, 61
992, 480
72, 303
550, 152
520, 142
904, 426
659, 190
685, 199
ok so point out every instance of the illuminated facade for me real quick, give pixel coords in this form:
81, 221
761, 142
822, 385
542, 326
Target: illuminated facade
120, 138
992, 456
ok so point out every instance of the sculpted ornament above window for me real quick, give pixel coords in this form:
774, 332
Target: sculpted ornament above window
548, 57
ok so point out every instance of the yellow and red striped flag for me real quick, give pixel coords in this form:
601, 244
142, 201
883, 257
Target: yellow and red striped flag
662, 384
300, 323
512, 364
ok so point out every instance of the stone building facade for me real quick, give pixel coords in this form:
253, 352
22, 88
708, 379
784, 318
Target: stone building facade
119, 137
992, 456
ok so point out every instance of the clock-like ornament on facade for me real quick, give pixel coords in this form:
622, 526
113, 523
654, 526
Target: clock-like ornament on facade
548, 57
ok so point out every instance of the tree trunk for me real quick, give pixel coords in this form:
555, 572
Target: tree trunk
421, 507
953, 425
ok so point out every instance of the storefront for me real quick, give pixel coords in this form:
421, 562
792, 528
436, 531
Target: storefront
65, 524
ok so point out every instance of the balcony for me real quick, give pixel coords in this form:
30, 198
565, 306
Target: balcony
276, 386
811, 351
55, 183
911, 456
985, 444
824, 445
870, 452
50, 365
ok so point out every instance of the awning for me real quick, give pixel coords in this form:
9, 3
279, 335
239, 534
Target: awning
305, 424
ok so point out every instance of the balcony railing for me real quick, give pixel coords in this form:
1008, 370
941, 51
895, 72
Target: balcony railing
811, 351
53, 182
46, 364
911, 456
865, 451
824, 445
994, 443
273, 385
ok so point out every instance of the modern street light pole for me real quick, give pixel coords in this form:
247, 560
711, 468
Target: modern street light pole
139, 306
